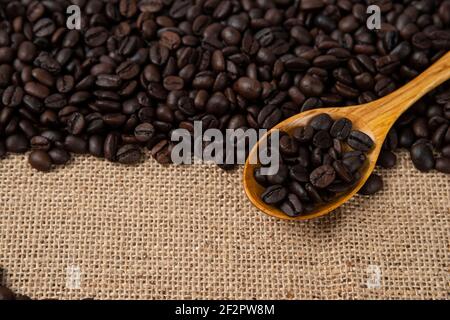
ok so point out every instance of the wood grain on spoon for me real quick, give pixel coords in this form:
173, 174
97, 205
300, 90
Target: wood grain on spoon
375, 119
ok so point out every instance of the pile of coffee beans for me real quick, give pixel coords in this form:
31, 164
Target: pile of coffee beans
138, 69
316, 165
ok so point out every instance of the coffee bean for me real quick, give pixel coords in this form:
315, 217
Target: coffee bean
17, 143
40, 143
44, 27
342, 171
40, 160
292, 206
248, 88
27, 51
321, 121
111, 146
299, 173
274, 194
58, 156
360, 141
144, 132
96, 36
443, 164
12, 96
37, 90
75, 144
303, 134
373, 184
322, 139
322, 176
341, 128
76, 123
387, 159
422, 156
129, 154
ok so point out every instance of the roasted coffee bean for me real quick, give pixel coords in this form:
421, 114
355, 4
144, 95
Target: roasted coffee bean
360, 141
76, 123
387, 159
299, 173
322, 176
443, 164
274, 194
322, 121
111, 146
341, 128
59, 156
342, 171
37, 90
292, 206
248, 88
17, 143
373, 184
269, 116
144, 132
40, 160
288, 145
75, 144
12, 96
322, 139
422, 156
40, 143
129, 154
303, 134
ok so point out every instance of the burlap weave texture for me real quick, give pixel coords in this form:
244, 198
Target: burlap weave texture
154, 232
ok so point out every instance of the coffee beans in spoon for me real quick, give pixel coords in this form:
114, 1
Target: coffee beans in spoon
318, 162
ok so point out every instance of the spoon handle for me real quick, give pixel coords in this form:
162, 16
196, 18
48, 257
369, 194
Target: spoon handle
393, 105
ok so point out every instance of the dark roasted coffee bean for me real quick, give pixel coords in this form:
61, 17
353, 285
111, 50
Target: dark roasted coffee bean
40, 160
322, 176
341, 128
422, 156
111, 146
144, 132
288, 145
299, 173
443, 164
269, 116
12, 96
387, 159
248, 88
322, 139
321, 121
313, 193
129, 154
161, 152
373, 184
59, 156
76, 123
292, 206
360, 141
75, 144
40, 143
303, 134
354, 163
297, 189
37, 90
274, 194
342, 171
17, 143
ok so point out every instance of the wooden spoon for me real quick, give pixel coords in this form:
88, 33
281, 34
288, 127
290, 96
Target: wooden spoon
374, 118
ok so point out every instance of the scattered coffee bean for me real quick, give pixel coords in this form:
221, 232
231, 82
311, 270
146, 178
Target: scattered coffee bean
373, 184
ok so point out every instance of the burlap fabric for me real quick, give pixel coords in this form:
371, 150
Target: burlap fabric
189, 232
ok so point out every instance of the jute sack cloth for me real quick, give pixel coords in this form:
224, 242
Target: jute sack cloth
106, 231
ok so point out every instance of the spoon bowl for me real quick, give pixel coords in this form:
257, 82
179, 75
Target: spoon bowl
374, 119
